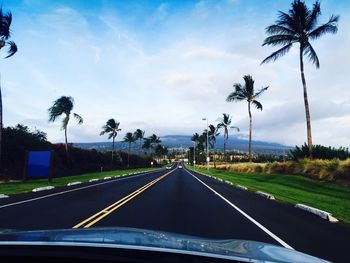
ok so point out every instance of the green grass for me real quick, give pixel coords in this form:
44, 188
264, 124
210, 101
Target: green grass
293, 189
28, 186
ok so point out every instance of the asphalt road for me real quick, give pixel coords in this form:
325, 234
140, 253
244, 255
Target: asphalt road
178, 201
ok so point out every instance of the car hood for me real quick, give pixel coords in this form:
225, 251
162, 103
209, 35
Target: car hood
131, 238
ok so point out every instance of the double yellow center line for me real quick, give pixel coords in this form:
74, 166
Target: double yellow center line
106, 211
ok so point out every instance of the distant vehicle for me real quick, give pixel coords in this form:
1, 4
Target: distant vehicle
168, 167
180, 166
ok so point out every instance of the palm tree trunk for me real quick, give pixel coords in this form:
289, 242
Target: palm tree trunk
113, 148
225, 144
129, 155
214, 159
306, 102
225, 139
250, 133
66, 140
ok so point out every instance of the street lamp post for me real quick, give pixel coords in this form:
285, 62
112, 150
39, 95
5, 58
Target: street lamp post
206, 119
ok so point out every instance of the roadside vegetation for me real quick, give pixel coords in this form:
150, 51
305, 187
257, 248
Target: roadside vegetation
11, 188
19, 139
331, 197
325, 170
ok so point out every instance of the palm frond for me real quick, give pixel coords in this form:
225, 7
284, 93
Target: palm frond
249, 86
277, 54
12, 49
329, 27
311, 53
286, 20
236, 95
257, 95
78, 118
54, 113
5, 24
276, 40
257, 104
312, 18
279, 29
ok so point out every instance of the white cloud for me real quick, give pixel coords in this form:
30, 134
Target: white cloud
166, 84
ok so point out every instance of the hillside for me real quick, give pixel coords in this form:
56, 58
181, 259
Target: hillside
178, 142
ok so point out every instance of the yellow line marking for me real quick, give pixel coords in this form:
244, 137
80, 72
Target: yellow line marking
106, 211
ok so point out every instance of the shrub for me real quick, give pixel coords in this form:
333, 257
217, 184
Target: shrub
320, 152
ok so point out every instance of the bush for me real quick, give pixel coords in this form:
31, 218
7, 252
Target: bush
328, 170
19, 139
320, 152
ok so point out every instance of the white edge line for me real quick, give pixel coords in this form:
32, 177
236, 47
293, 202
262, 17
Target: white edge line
72, 190
245, 214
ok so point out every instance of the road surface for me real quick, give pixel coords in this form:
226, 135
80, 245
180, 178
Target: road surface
178, 201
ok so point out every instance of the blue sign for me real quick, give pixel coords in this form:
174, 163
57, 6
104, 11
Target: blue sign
39, 164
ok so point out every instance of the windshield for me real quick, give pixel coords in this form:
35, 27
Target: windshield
211, 120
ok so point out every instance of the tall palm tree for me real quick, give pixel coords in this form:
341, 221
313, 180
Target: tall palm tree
225, 124
129, 138
64, 106
246, 92
299, 25
5, 34
139, 135
212, 134
195, 138
112, 128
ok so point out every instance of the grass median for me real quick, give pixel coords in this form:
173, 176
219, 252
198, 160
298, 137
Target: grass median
28, 186
293, 189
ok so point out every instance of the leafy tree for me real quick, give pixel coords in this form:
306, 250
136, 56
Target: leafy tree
112, 128
299, 25
129, 138
5, 34
146, 144
154, 140
139, 135
161, 151
246, 92
64, 106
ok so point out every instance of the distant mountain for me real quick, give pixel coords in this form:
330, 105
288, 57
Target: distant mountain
179, 142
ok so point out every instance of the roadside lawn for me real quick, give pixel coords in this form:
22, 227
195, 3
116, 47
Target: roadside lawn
293, 189
28, 186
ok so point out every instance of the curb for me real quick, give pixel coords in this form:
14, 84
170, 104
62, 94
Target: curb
266, 195
43, 188
3, 196
93, 180
73, 183
107, 178
323, 214
241, 187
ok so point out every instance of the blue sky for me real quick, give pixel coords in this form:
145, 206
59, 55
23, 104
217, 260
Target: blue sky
163, 65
